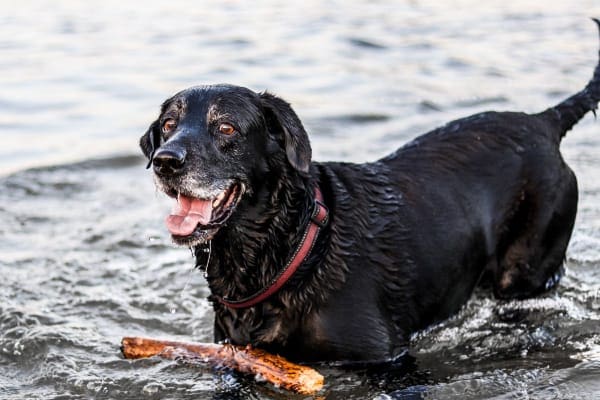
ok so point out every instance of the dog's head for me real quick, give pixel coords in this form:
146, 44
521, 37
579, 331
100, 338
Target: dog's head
210, 149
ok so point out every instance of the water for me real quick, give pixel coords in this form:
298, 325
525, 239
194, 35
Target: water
85, 258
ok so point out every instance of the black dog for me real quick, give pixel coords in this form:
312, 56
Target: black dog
340, 261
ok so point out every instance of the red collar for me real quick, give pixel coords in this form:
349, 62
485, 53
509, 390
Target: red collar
318, 219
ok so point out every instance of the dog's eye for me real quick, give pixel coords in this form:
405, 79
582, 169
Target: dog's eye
226, 129
169, 125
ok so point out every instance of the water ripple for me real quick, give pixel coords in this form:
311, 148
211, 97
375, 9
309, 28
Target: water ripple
85, 258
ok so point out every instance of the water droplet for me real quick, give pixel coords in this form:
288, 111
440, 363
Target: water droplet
524, 353
153, 388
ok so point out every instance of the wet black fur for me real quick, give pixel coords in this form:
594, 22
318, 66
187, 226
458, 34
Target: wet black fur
409, 237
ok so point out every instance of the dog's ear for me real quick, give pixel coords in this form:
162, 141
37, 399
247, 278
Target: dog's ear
280, 117
150, 141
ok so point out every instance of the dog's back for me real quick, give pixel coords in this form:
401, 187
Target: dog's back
487, 195
518, 198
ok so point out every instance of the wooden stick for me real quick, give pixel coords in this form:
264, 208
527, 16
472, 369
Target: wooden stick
248, 360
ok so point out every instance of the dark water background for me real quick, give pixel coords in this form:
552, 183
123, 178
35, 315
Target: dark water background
84, 256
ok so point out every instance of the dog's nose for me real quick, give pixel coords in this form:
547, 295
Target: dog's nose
168, 161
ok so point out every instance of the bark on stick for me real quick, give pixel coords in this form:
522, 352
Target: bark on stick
273, 368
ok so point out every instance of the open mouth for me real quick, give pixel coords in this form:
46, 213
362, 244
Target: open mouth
196, 219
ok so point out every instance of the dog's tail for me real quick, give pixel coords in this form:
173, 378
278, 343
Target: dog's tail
570, 111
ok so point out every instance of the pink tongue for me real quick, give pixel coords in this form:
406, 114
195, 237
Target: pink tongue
187, 214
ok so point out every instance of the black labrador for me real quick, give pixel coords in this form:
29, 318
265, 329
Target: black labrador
337, 261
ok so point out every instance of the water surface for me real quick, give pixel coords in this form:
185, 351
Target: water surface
85, 258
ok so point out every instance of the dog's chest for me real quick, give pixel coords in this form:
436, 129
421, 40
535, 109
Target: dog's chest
256, 325
296, 338
307, 337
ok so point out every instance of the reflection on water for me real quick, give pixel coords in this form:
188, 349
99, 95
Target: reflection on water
85, 260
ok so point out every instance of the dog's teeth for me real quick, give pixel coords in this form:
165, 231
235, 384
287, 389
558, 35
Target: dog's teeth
218, 200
